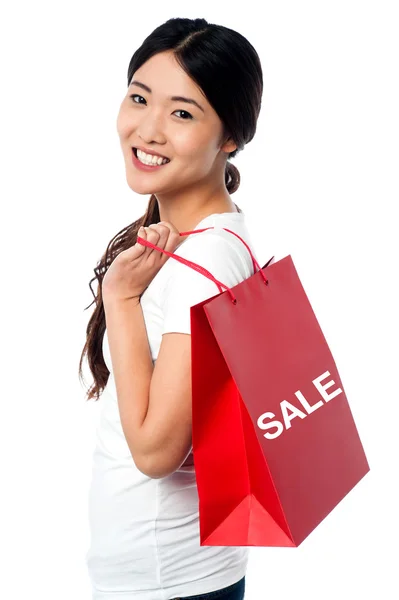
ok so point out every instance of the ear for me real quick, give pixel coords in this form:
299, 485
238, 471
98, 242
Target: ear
228, 146
226, 142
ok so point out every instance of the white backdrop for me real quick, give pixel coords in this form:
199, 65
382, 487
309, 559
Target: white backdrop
319, 182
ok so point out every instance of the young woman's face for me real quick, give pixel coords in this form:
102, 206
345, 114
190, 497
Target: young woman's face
189, 134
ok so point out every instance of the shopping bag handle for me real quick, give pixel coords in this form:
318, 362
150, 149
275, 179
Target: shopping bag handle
202, 270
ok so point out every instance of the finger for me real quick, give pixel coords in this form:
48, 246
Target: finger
155, 237
138, 245
169, 242
169, 225
174, 236
161, 229
164, 233
174, 239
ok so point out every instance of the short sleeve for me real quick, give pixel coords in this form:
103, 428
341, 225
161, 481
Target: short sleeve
186, 287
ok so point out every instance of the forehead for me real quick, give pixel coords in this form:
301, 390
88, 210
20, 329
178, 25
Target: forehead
163, 74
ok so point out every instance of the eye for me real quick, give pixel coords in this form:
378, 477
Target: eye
136, 96
189, 115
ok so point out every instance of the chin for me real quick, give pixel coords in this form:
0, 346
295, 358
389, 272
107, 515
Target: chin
140, 186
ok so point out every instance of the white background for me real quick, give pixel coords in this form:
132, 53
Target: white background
319, 182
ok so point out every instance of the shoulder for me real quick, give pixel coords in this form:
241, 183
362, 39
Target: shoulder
205, 243
186, 286
215, 252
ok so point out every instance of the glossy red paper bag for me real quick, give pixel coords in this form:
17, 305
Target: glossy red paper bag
274, 441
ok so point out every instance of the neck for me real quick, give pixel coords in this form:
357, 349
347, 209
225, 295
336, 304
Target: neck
187, 210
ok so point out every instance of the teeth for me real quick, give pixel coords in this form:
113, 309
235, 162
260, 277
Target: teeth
149, 159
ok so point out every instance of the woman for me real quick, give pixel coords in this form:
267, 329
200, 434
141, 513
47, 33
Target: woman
193, 99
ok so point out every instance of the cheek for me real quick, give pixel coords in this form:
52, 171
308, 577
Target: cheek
193, 148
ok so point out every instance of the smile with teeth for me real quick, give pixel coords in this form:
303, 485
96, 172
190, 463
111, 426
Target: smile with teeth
149, 159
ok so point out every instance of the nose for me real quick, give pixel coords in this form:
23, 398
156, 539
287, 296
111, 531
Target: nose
150, 128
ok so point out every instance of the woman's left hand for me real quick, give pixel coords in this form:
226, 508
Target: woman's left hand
133, 269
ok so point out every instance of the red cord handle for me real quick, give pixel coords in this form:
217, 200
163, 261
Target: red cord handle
200, 269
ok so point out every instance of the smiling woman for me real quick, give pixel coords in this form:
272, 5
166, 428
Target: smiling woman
192, 103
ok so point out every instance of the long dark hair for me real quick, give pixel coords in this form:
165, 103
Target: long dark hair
227, 69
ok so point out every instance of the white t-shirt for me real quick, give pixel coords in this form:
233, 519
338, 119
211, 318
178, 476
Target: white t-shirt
145, 542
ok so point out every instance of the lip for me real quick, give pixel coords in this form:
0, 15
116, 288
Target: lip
142, 167
148, 151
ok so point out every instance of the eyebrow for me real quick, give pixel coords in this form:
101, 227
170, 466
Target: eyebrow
173, 98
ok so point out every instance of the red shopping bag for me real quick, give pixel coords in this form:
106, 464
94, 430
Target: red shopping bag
274, 441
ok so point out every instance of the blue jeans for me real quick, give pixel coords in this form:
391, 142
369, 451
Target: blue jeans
231, 592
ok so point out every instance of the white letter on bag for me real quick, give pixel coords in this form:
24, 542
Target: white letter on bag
277, 424
295, 413
309, 409
322, 388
